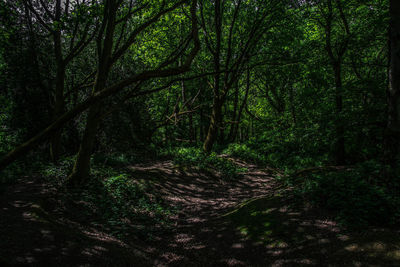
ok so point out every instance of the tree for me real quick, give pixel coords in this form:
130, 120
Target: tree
102, 90
72, 27
393, 94
232, 41
336, 50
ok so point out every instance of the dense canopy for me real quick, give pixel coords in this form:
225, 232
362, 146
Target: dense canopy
122, 106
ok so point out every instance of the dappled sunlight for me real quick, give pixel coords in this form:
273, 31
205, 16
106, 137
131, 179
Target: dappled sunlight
199, 133
37, 235
291, 234
246, 222
268, 229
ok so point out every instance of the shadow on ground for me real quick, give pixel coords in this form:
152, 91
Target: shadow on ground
31, 235
250, 221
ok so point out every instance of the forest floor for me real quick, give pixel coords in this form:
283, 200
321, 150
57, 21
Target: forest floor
251, 221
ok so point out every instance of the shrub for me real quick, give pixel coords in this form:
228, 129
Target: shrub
226, 167
195, 158
57, 173
354, 200
244, 152
11, 174
120, 201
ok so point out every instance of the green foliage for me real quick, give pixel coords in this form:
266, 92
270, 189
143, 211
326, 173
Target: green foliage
57, 173
113, 198
226, 167
8, 136
11, 174
195, 158
188, 157
285, 154
351, 195
284, 110
244, 152
120, 200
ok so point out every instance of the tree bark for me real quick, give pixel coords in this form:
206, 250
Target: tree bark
340, 142
214, 126
244, 103
26, 147
81, 170
59, 104
392, 136
233, 127
336, 64
215, 119
56, 142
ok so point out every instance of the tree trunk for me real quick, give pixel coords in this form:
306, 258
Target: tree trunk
216, 113
81, 171
233, 127
244, 103
292, 105
340, 142
336, 63
192, 130
202, 128
215, 120
56, 142
392, 136
221, 125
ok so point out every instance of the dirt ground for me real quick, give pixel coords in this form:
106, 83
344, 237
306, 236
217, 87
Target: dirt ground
251, 221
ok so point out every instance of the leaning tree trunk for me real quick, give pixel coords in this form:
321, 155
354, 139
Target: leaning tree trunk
81, 170
392, 136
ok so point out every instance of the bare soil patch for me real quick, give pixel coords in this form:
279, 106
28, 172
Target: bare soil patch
251, 221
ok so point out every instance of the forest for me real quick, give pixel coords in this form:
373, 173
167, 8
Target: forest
200, 132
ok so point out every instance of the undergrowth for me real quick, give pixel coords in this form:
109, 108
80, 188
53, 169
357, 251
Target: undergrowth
286, 156
113, 199
357, 197
195, 158
354, 196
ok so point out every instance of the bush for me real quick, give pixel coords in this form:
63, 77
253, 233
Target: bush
277, 152
121, 197
117, 201
119, 160
226, 167
189, 157
112, 197
244, 152
354, 200
57, 173
195, 158
11, 174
